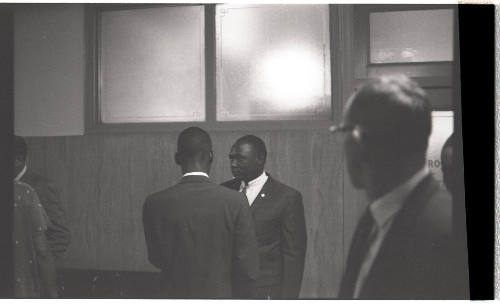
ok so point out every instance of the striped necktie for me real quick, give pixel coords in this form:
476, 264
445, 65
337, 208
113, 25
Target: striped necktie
244, 189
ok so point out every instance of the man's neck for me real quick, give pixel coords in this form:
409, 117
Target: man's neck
247, 180
194, 168
204, 174
389, 180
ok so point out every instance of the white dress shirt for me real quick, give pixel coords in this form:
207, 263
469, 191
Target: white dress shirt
254, 187
383, 210
195, 174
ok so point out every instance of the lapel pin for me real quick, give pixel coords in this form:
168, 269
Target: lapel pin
262, 195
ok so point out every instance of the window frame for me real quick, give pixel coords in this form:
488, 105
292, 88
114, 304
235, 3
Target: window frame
423, 72
93, 124
436, 75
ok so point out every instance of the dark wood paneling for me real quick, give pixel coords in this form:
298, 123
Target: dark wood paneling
104, 179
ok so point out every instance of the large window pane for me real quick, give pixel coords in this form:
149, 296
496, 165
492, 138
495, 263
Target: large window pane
411, 36
152, 65
273, 62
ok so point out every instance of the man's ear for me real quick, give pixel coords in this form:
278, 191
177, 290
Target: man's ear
261, 158
360, 141
211, 156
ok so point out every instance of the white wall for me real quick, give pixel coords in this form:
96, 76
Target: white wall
49, 70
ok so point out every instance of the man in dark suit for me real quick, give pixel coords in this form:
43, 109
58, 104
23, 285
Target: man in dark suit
402, 247
58, 234
199, 234
278, 216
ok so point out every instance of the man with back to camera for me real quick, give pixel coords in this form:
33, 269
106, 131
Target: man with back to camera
401, 248
278, 216
199, 234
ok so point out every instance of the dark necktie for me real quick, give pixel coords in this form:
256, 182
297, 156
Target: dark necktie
360, 245
244, 191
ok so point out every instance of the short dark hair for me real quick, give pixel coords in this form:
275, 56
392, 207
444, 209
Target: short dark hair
450, 142
20, 148
192, 143
394, 115
256, 142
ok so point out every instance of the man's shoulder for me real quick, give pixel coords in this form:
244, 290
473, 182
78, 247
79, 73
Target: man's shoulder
25, 196
280, 187
435, 218
22, 188
206, 191
36, 180
162, 194
232, 184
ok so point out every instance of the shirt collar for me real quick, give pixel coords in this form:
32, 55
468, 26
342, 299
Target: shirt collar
196, 174
21, 174
386, 206
260, 179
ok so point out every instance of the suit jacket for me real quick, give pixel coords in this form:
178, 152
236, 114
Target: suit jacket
278, 216
201, 236
58, 234
417, 259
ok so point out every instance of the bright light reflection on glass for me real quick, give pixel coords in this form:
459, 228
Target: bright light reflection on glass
273, 62
291, 78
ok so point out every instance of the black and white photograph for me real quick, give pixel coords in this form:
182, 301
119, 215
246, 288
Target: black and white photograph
244, 151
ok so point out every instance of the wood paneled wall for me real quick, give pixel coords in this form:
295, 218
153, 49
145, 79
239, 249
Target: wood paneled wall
104, 179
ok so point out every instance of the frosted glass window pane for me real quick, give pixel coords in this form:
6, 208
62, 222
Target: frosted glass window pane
411, 36
153, 65
273, 62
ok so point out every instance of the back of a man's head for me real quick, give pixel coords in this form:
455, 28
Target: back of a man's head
193, 144
394, 116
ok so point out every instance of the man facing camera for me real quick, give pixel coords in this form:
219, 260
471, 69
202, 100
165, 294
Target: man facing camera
199, 234
278, 216
401, 248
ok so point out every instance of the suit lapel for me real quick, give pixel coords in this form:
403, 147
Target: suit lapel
265, 194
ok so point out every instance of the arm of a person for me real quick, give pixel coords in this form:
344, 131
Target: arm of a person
152, 243
245, 254
293, 247
44, 256
58, 234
